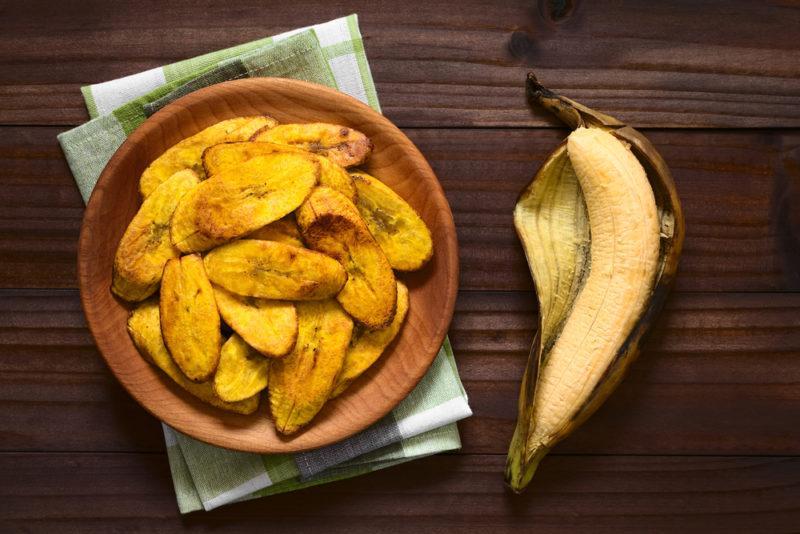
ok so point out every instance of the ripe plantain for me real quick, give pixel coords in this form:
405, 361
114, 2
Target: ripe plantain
144, 327
186, 154
145, 246
271, 270
236, 202
602, 229
397, 228
224, 156
269, 326
367, 346
283, 230
242, 372
342, 145
301, 383
331, 224
189, 317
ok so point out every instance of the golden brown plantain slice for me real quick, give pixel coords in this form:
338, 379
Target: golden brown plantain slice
342, 145
271, 270
242, 372
246, 131
331, 224
241, 200
283, 231
144, 327
189, 317
186, 154
145, 246
397, 228
367, 346
300, 383
269, 326
219, 158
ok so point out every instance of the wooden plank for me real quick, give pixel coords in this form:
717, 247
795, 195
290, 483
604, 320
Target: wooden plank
720, 375
740, 190
133, 492
709, 64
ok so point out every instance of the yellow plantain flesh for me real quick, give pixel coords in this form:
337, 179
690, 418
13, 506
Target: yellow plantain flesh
187, 153
283, 230
331, 224
367, 346
401, 233
301, 383
269, 326
144, 327
271, 270
145, 246
236, 202
602, 229
242, 372
342, 145
189, 317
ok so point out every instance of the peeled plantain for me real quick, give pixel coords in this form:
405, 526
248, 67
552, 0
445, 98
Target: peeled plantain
224, 156
246, 130
331, 224
283, 230
271, 270
301, 383
397, 228
269, 326
242, 372
186, 154
189, 317
242, 199
144, 327
367, 346
602, 229
145, 246
342, 145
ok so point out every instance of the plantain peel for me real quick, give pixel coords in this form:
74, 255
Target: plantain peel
397, 228
189, 317
602, 229
301, 383
238, 201
342, 145
144, 327
271, 270
331, 224
242, 372
145, 246
187, 153
224, 156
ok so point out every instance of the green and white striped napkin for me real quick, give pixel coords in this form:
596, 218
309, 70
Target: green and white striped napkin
204, 476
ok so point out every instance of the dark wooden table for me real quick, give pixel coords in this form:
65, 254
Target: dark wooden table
704, 435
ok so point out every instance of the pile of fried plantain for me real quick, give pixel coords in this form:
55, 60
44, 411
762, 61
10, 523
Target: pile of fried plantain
263, 227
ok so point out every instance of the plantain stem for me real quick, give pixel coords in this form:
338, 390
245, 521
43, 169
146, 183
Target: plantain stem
567, 110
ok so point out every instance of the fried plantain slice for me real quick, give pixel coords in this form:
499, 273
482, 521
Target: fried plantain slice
331, 224
144, 327
271, 270
189, 317
224, 156
300, 383
145, 246
367, 346
242, 372
246, 130
186, 154
283, 230
241, 200
269, 326
342, 145
397, 228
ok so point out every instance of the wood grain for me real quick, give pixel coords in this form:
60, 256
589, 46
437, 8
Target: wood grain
740, 192
722, 64
133, 492
711, 355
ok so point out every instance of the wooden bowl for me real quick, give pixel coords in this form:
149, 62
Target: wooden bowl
395, 160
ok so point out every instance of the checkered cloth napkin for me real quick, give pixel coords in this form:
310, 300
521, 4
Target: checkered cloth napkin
206, 477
